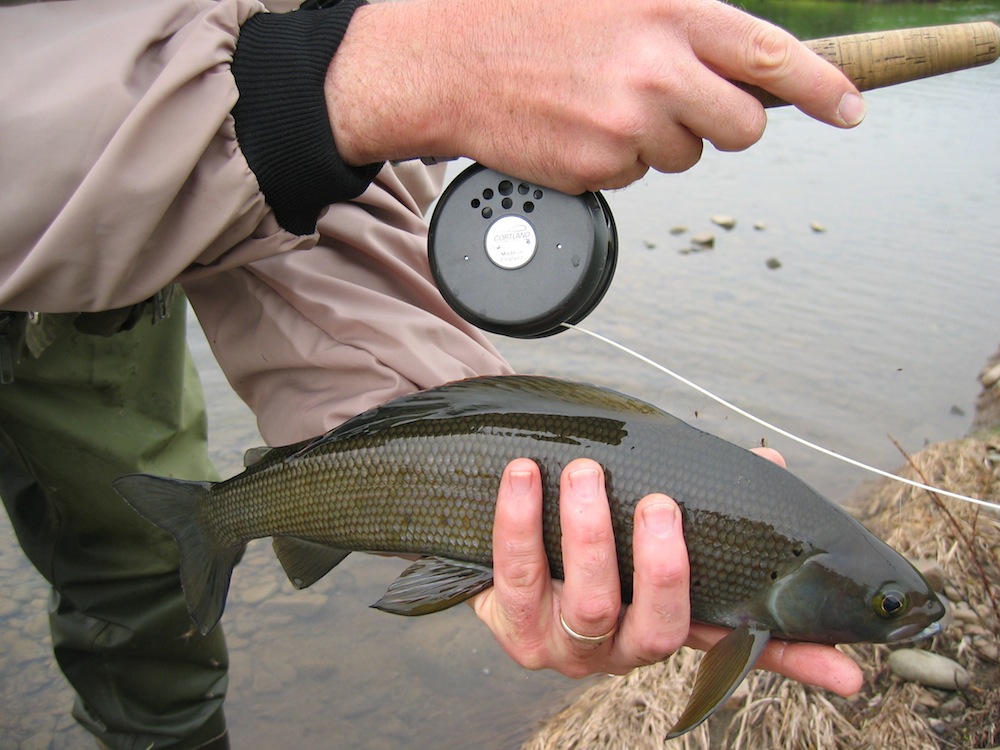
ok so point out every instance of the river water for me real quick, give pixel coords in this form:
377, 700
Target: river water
876, 326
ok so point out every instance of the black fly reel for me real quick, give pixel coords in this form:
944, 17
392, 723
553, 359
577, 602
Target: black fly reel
518, 259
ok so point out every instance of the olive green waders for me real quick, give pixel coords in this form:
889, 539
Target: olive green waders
87, 410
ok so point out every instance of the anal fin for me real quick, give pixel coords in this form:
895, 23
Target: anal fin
432, 584
721, 671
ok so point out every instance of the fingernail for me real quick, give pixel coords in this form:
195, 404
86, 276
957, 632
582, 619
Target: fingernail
584, 482
661, 519
520, 482
852, 108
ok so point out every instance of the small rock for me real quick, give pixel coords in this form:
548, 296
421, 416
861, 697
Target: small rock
725, 221
932, 571
957, 411
650, 245
987, 648
703, 241
760, 226
930, 669
964, 613
924, 698
679, 229
773, 263
954, 706
990, 376
738, 699
952, 593
817, 227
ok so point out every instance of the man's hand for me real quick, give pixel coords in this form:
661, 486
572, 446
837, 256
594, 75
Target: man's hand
573, 95
524, 606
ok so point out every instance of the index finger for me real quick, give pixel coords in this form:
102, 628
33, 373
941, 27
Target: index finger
746, 49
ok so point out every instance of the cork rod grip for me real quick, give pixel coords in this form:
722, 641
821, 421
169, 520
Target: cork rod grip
883, 58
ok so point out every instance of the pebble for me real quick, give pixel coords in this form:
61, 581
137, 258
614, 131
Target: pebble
817, 227
703, 241
965, 613
990, 376
773, 263
954, 706
986, 648
927, 668
760, 226
924, 698
932, 571
679, 229
724, 220
739, 697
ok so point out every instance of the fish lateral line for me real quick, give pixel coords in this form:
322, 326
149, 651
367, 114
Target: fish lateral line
779, 430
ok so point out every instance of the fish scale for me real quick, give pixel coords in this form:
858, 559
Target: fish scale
419, 475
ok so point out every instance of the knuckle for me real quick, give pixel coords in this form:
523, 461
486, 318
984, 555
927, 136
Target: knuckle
594, 616
610, 153
522, 572
769, 52
534, 658
576, 670
684, 159
666, 576
653, 647
744, 131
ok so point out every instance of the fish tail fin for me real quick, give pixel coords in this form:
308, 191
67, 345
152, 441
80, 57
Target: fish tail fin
205, 565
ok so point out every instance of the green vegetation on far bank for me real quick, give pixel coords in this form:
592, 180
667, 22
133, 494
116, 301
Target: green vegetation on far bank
812, 19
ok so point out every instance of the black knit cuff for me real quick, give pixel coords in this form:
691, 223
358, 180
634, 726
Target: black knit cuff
282, 123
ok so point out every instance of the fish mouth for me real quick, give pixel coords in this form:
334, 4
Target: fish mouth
906, 634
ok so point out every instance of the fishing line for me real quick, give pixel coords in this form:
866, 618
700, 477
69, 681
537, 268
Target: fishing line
774, 428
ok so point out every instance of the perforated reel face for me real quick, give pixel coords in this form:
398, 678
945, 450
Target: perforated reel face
519, 259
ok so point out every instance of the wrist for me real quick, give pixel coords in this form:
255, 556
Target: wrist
390, 88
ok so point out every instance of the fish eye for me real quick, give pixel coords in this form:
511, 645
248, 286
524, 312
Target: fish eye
890, 603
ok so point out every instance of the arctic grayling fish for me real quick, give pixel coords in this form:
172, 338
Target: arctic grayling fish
769, 556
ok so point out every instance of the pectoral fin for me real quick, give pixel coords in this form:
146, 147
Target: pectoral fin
721, 671
306, 562
432, 584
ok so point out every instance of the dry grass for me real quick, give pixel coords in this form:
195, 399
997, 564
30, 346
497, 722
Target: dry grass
636, 711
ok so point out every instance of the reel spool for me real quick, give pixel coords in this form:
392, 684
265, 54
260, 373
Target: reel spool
519, 259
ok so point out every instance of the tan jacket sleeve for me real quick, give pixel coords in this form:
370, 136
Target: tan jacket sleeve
122, 171
119, 160
309, 339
